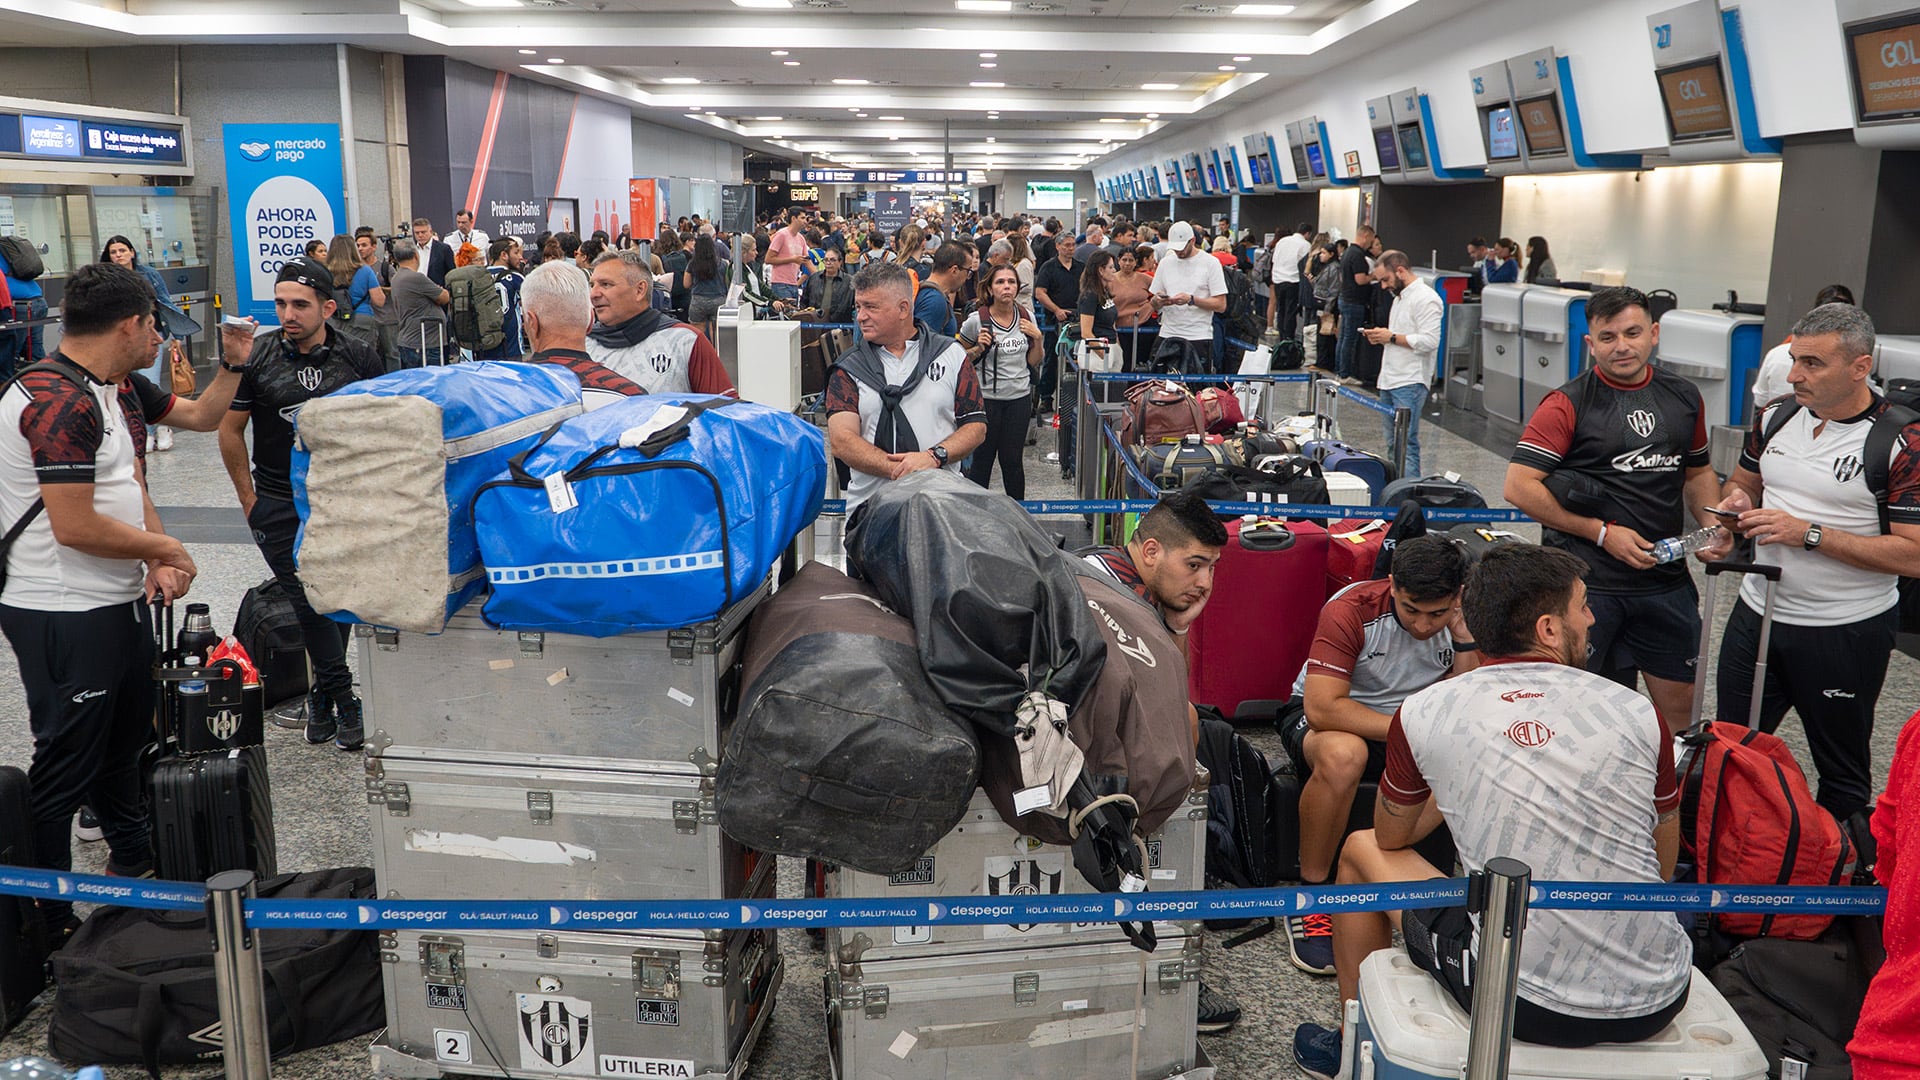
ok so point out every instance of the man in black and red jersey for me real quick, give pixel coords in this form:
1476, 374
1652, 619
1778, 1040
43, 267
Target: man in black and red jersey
554, 301
1609, 464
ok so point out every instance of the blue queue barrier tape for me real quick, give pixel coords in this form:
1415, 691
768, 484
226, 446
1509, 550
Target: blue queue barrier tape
1148, 376
1364, 400
1065, 507
950, 911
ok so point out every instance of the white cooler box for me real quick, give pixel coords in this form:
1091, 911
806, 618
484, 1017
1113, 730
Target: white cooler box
1405, 1027
1346, 489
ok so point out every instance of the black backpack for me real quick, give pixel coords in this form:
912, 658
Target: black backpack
1247, 817
22, 257
269, 629
1244, 322
1801, 999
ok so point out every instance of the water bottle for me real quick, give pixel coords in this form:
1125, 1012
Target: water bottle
34, 1068
1679, 547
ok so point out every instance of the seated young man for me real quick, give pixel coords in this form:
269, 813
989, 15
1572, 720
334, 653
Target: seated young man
1529, 756
1378, 642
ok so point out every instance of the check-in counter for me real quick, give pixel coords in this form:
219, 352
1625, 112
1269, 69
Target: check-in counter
1719, 353
1554, 332
1501, 354
1896, 356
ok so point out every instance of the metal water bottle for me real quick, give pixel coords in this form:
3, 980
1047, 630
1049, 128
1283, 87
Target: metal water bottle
194, 644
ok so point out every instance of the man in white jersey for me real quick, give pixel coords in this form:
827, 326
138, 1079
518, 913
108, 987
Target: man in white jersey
1532, 757
904, 397
647, 345
1835, 473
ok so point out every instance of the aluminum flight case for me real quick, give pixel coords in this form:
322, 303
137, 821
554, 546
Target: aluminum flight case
462, 831
523, 1004
1063, 1011
985, 857
474, 693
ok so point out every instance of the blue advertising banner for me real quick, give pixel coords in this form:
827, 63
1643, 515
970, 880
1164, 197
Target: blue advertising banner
284, 189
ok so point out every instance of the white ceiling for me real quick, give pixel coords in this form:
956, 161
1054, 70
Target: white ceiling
1066, 65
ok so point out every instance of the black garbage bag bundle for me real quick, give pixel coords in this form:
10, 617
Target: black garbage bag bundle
1007, 641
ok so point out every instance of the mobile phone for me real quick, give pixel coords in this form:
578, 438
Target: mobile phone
1725, 515
237, 320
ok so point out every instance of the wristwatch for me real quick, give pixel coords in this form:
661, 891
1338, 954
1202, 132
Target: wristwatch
1812, 539
940, 455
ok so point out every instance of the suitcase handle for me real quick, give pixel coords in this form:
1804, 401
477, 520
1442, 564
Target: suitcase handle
1769, 571
1267, 536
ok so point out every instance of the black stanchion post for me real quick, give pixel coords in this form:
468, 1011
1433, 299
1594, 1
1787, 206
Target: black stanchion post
239, 985
1499, 895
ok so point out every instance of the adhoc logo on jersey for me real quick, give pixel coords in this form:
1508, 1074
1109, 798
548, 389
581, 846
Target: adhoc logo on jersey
1643, 458
284, 190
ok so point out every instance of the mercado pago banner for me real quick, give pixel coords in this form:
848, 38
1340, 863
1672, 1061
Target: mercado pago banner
284, 190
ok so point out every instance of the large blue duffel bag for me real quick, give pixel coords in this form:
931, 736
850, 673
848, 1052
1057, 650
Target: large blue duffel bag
384, 474
649, 514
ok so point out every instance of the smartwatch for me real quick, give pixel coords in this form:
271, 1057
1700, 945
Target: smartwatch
940, 455
1812, 539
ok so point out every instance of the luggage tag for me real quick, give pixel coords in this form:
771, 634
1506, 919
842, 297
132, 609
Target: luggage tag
1452, 477
560, 497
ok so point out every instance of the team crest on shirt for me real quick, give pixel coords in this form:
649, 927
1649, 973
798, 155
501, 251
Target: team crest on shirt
1641, 421
936, 371
309, 378
661, 363
1846, 468
1529, 733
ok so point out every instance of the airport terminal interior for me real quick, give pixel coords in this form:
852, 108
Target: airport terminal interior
1644, 266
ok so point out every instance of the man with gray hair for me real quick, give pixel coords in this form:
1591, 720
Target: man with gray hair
643, 343
554, 303
1828, 489
905, 397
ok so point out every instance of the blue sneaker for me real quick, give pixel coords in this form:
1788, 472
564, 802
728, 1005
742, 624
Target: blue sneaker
1317, 1051
1310, 943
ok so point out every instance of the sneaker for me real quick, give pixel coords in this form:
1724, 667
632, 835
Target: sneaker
86, 827
1348, 380
320, 723
1218, 1012
116, 868
1317, 1051
350, 730
1310, 943
150, 442
163, 439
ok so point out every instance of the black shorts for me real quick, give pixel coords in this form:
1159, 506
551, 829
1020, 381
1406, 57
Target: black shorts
1292, 724
1656, 634
1439, 942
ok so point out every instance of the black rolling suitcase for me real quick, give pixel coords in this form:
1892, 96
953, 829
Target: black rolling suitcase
213, 812
23, 935
1066, 404
269, 630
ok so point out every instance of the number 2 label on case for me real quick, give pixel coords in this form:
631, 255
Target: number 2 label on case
453, 1046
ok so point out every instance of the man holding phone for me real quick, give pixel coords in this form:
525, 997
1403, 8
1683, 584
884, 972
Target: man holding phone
1609, 464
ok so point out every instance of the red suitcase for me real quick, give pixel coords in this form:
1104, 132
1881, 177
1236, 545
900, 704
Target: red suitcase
1353, 547
1251, 640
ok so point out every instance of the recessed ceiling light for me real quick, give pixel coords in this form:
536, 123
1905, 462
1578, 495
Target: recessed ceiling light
860, 116
991, 139
763, 3
983, 5
779, 52
893, 138
791, 63
1264, 9
670, 80
528, 52
555, 60
988, 85
988, 64
1153, 116
850, 82
1242, 59
1226, 67
1114, 120
893, 118
1159, 86
989, 56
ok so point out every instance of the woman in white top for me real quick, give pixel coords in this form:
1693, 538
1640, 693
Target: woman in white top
1004, 345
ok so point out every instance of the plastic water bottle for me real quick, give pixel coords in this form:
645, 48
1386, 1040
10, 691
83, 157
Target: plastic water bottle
33, 1068
1679, 547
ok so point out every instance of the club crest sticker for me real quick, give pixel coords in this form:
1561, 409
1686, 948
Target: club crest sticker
1042, 874
556, 1035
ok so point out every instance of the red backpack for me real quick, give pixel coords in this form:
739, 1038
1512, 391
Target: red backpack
1747, 817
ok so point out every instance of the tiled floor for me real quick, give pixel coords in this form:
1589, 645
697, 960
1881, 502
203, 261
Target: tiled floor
321, 815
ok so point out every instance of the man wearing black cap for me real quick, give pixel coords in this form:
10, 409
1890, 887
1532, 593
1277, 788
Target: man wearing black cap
305, 360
